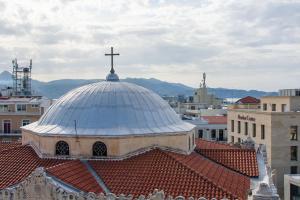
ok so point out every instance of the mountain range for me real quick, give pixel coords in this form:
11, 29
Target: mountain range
54, 89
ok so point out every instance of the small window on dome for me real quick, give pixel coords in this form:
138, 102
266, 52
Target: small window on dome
99, 149
62, 148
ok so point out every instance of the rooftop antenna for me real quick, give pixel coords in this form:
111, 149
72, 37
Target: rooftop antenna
21, 79
204, 79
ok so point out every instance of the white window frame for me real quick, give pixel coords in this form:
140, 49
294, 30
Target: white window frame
35, 105
25, 120
3, 125
21, 105
2, 107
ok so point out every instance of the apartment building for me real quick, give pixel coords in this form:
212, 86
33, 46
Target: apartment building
274, 125
16, 112
211, 128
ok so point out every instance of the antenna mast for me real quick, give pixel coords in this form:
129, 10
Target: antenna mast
21, 79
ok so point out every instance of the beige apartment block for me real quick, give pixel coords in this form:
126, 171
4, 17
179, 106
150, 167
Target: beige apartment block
275, 126
16, 112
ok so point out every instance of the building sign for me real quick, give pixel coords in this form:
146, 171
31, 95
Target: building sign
248, 118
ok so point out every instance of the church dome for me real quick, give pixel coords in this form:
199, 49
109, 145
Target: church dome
109, 108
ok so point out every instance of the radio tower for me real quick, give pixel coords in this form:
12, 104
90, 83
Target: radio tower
21, 79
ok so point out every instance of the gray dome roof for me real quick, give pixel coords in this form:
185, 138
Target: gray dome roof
109, 109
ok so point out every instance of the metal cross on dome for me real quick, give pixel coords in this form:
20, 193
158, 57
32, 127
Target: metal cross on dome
112, 54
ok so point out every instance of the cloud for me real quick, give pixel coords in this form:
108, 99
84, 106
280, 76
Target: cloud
241, 44
2, 6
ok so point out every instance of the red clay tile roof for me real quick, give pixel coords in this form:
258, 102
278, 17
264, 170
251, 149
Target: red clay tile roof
204, 144
75, 173
176, 174
9, 145
243, 161
215, 119
248, 100
219, 175
161, 170
18, 163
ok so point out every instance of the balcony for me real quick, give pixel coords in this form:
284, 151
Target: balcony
13, 133
9, 112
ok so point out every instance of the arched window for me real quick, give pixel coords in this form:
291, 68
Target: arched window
189, 143
99, 149
62, 148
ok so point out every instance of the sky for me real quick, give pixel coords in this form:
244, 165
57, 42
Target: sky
248, 44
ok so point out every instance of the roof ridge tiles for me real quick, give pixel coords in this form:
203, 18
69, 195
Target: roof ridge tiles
80, 169
226, 149
12, 148
198, 174
226, 163
59, 164
206, 144
150, 158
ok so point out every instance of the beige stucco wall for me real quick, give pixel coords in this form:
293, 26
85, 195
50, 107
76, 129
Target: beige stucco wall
281, 143
275, 100
260, 119
31, 109
116, 146
16, 120
277, 138
292, 103
295, 103
244, 106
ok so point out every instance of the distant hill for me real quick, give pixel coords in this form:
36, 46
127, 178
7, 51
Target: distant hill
54, 89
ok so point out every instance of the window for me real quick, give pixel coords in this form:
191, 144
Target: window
25, 122
232, 125
3, 108
239, 140
6, 126
294, 132
273, 107
246, 128
294, 153
283, 108
253, 130
297, 93
34, 105
213, 134
294, 169
99, 149
189, 143
262, 133
200, 133
221, 135
193, 108
62, 148
239, 127
21, 107
232, 139
265, 107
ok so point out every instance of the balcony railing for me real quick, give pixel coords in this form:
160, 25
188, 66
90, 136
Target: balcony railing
11, 133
